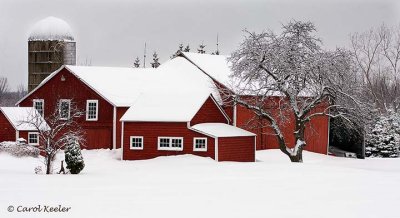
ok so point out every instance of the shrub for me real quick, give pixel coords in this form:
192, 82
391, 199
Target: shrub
73, 157
19, 149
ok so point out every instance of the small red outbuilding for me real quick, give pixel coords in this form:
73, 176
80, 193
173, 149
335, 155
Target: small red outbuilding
158, 125
14, 126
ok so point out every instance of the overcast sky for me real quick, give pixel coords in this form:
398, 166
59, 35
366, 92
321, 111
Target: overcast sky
113, 32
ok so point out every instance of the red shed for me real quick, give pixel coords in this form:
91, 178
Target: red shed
13, 124
161, 125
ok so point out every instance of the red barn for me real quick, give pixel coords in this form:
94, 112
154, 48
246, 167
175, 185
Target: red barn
13, 124
109, 94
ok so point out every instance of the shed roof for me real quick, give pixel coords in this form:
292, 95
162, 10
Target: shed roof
165, 107
20, 116
221, 130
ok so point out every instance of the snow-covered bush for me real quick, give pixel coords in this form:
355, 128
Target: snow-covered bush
19, 149
383, 138
38, 170
73, 157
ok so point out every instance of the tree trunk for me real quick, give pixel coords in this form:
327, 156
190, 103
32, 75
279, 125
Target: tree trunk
48, 164
300, 141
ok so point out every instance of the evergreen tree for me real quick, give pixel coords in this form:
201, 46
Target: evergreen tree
180, 49
383, 138
201, 49
155, 62
136, 64
73, 157
187, 49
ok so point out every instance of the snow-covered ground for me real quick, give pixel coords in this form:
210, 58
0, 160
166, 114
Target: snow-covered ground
190, 186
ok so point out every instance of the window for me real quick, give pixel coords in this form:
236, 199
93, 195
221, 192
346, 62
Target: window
92, 110
136, 142
170, 143
38, 104
199, 144
33, 138
65, 105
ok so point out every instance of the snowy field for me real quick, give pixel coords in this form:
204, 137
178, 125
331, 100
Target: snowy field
190, 186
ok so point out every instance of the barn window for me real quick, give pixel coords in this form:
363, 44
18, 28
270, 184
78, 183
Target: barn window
199, 144
170, 143
38, 104
33, 138
136, 142
92, 110
65, 106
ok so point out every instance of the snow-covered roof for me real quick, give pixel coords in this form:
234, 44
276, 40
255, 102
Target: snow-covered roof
20, 116
165, 107
221, 130
122, 86
51, 28
216, 66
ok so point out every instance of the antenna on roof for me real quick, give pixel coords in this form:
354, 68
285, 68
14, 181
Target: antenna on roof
144, 56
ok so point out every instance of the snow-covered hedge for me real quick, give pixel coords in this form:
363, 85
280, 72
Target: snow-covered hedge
383, 138
19, 149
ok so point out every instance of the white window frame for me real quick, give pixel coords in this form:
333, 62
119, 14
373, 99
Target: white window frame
39, 101
136, 137
199, 149
29, 137
170, 148
87, 110
69, 108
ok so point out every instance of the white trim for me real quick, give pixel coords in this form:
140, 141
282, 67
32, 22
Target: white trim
97, 110
255, 147
136, 137
33, 133
216, 149
69, 108
37, 101
194, 144
329, 129
170, 148
114, 128
16, 135
220, 109
234, 114
122, 141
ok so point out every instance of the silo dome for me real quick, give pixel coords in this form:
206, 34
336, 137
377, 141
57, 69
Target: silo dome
50, 29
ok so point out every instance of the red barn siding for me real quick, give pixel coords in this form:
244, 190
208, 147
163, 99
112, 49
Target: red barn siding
316, 133
152, 130
208, 113
7, 131
98, 133
236, 149
120, 112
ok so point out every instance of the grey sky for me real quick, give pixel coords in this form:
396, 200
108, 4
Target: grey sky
113, 32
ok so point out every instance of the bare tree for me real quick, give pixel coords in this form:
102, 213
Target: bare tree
377, 55
4, 88
293, 66
56, 131
21, 91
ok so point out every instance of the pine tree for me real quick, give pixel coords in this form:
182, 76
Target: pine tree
155, 62
383, 138
180, 49
73, 157
201, 49
187, 49
136, 64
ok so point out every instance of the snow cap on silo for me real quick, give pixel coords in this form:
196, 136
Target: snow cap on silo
51, 29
